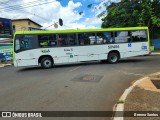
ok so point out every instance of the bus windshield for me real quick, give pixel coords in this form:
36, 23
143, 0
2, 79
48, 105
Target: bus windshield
23, 42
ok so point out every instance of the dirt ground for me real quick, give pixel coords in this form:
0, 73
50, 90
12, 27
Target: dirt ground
144, 97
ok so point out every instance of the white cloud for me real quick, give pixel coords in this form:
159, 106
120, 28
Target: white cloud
51, 12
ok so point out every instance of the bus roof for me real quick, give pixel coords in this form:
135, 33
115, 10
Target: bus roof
80, 30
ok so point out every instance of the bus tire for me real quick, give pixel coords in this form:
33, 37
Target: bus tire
113, 58
46, 63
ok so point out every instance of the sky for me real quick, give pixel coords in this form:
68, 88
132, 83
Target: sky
49, 13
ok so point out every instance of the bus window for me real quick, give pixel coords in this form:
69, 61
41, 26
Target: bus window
139, 36
105, 37
87, 38
63, 40
122, 37
47, 40
72, 39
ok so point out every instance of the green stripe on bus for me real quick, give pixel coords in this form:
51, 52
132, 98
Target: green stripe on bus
80, 30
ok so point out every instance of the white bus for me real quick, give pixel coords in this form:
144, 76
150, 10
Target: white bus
52, 47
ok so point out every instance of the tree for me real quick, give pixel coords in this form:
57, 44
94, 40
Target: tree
131, 13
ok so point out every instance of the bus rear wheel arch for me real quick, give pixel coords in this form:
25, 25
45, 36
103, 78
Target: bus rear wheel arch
113, 57
46, 61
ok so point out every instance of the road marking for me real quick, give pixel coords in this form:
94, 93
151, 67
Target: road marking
74, 69
128, 73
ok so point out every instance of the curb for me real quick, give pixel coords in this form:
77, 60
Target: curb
1, 65
155, 53
120, 106
4, 65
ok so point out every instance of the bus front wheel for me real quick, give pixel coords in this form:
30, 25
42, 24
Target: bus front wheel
113, 58
46, 63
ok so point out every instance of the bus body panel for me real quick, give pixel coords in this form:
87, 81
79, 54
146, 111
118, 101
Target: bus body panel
62, 55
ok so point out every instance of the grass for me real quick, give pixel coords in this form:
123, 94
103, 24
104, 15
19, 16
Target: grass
119, 101
156, 50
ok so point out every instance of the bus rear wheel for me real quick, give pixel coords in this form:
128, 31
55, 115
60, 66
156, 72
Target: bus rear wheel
113, 58
46, 63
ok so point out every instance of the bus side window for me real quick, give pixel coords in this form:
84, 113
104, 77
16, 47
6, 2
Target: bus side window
139, 36
80, 39
105, 37
87, 38
62, 40
72, 39
122, 37
47, 40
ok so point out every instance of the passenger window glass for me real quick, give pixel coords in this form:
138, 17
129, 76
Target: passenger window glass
139, 36
47, 40
122, 37
105, 37
87, 38
72, 39
62, 40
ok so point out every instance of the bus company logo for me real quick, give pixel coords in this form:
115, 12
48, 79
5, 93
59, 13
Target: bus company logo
45, 51
113, 46
6, 114
129, 45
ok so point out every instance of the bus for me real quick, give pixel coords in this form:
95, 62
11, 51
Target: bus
46, 48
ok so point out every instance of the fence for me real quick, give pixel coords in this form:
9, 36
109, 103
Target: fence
155, 43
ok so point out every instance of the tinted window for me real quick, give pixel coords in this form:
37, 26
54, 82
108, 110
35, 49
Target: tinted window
139, 36
72, 39
47, 40
105, 37
122, 37
62, 40
87, 38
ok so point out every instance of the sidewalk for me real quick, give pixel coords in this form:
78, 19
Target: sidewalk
155, 53
143, 95
5, 64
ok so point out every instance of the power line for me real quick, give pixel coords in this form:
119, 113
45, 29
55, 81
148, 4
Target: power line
29, 13
15, 5
26, 6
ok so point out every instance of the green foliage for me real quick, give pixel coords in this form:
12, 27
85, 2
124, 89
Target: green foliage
81, 12
89, 6
130, 13
101, 14
119, 101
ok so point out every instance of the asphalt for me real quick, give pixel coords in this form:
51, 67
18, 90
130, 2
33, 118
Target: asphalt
56, 89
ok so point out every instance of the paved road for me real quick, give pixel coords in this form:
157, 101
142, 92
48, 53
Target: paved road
63, 88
